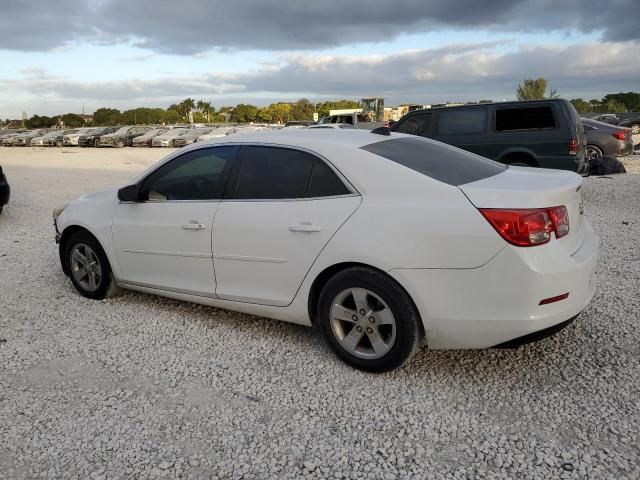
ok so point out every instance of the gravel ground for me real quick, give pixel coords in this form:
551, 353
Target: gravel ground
142, 387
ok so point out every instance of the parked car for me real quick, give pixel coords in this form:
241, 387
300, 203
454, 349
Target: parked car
146, 139
123, 137
93, 136
358, 120
540, 133
43, 140
5, 190
190, 136
379, 240
8, 139
58, 140
611, 118
71, 139
604, 139
632, 123
24, 139
218, 133
167, 139
335, 126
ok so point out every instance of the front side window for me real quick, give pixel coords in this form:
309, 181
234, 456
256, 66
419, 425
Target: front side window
196, 175
462, 121
282, 173
416, 125
530, 118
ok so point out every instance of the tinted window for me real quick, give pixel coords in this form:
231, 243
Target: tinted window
416, 125
271, 172
436, 160
324, 181
196, 175
531, 118
462, 120
274, 173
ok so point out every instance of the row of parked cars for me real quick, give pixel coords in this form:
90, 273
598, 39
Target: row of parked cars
543, 133
118, 137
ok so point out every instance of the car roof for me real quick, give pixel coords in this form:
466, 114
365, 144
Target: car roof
315, 139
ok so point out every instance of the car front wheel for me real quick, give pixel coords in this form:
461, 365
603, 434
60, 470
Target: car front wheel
88, 266
368, 320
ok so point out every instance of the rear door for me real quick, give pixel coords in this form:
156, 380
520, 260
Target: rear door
281, 208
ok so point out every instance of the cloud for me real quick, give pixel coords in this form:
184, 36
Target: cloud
457, 73
194, 26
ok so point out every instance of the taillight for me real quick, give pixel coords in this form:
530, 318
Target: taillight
573, 146
620, 134
560, 219
528, 227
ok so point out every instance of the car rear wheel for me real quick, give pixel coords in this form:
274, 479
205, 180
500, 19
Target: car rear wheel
59, 143
119, 143
96, 142
368, 320
88, 266
592, 152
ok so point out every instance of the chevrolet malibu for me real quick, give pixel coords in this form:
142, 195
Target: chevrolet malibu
380, 240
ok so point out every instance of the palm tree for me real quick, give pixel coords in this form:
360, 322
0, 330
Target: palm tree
187, 105
204, 107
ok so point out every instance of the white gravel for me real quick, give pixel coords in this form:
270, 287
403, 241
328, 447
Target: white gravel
143, 387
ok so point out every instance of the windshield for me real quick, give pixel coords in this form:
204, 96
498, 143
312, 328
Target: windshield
121, 130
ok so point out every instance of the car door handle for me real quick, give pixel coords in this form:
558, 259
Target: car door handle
304, 227
193, 225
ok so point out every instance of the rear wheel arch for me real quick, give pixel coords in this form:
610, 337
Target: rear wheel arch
323, 277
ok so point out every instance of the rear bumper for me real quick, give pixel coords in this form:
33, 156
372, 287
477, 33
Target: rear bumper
573, 163
499, 302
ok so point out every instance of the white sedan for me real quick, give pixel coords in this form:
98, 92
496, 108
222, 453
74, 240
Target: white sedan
382, 241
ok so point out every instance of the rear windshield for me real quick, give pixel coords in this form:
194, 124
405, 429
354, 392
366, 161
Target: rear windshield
436, 160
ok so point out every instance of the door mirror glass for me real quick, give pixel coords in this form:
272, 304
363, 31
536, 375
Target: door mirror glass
130, 193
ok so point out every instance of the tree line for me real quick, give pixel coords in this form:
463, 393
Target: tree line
536, 89
200, 112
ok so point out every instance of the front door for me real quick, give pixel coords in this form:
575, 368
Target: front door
164, 241
282, 207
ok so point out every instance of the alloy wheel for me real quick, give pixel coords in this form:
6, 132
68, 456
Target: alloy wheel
85, 267
362, 323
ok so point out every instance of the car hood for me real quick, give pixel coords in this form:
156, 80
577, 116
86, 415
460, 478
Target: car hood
99, 195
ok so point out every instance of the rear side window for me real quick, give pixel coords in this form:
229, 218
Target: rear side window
419, 124
436, 160
282, 173
462, 120
531, 118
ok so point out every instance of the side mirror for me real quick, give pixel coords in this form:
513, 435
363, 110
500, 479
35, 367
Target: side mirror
130, 193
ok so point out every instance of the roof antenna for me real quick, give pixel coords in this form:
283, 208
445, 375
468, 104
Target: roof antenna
381, 131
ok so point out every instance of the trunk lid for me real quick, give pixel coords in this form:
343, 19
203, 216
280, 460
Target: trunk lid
520, 187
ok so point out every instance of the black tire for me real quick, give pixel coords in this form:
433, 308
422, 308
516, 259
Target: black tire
106, 286
593, 152
96, 142
119, 143
407, 320
59, 143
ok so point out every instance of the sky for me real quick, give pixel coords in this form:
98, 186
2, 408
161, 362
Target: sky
80, 55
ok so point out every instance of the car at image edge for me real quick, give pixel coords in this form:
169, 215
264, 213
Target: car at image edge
5, 190
379, 240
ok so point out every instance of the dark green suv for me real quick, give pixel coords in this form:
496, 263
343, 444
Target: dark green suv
539, 133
